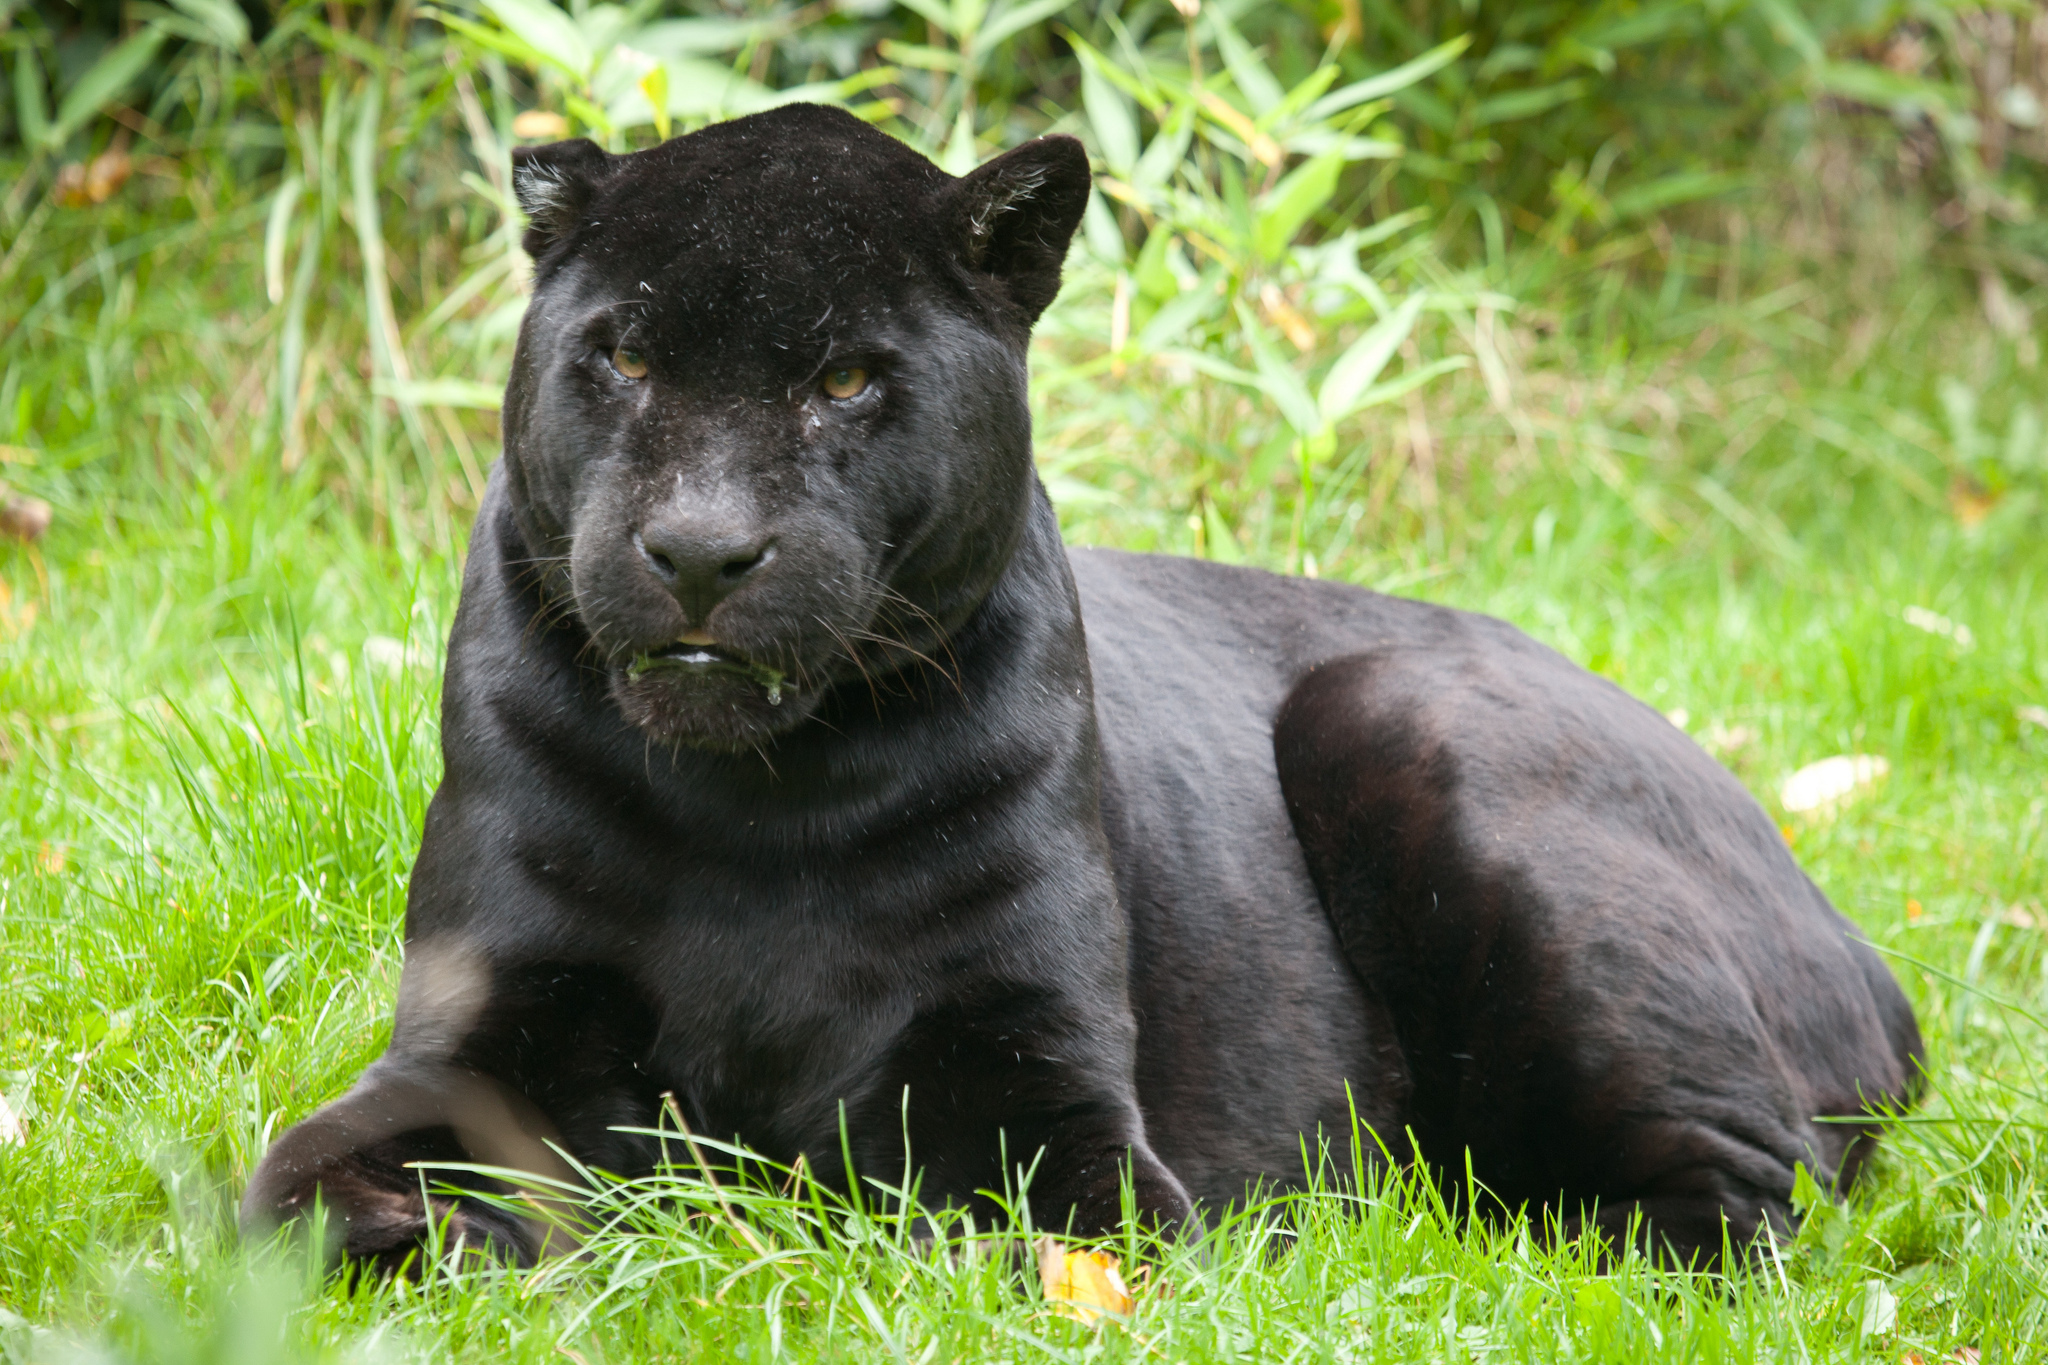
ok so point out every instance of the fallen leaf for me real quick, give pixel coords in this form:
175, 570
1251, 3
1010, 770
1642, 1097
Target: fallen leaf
1284, 315
1934, 623
1729, 739
2036, 716
23, 517
1970, 501
540, 123
1966, 1355
1822, 784
93, 182
1082, 1285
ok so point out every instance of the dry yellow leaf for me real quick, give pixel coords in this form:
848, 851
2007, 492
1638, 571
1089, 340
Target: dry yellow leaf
1819, 785
1083, 1285
543, 124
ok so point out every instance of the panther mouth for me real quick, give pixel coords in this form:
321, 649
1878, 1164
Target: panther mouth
693, 659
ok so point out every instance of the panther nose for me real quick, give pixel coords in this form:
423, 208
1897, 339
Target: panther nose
701, 565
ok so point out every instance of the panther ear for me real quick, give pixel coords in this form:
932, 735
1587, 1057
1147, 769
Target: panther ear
555, 184
1014, 217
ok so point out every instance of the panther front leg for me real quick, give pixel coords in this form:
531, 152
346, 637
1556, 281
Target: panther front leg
1006, 1082
493, 1062
359, 1158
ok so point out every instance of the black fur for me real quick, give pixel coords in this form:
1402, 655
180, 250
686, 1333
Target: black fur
781, 777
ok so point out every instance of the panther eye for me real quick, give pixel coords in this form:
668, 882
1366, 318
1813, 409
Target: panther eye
630, 363
846, 382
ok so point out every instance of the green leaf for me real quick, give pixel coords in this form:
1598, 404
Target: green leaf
1791, 29
1139, 90
1277, 379
1218, 538
225, 24
1301, 96
654, 85
1110, 116
1011, 22
491, 39
1516, 104
1305, 190
933, 13
1167, 150
1171, 322
441, 393
1874, 85
1388, 82
673, 38
102, 82
1362, 361
1644, 26
548, 31
1680, 187
919, 56
1150, 273
960, 154
1254, 81
1215, 368
31, 100
967, 20
1409, 379
275, 231
1099, 227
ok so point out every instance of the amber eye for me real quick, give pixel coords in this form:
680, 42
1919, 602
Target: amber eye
629, 363
845, 383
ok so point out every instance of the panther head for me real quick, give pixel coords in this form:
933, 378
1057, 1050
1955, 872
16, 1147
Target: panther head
767, 433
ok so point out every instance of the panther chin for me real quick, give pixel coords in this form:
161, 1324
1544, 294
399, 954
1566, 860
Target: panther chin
704, 696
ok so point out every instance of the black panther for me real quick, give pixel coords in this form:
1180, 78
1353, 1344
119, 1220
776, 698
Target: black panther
795, 769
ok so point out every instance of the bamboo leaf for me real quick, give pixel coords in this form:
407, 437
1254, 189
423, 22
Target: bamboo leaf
934, 13
1346, 383
275, 231
699, 37
1254, 81
548, 31
1277, 379
1301, 194
222, 20
442, 393
1011, 22
1409, 380
1682, 187
1390, 81
654, 85
1167, 150
102, 82
31, 98
504, 43
1518, 104
1110, 116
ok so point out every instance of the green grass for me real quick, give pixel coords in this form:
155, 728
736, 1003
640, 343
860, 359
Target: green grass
1717, 475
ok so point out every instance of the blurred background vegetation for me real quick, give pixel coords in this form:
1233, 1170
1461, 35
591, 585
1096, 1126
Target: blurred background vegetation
1309, 210
1696, 336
